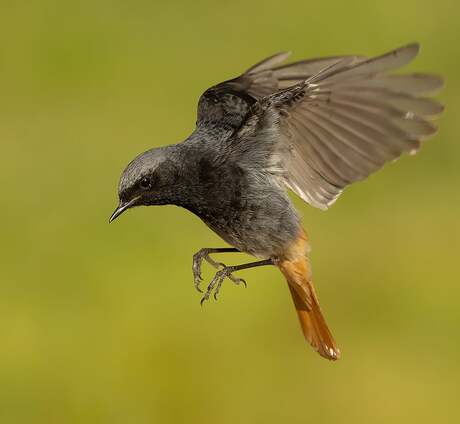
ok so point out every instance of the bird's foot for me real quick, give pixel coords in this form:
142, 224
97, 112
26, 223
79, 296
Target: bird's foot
197, 262
217, 281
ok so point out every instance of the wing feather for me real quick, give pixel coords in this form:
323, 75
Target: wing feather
268, 63
384, 63
227, 104
344, 121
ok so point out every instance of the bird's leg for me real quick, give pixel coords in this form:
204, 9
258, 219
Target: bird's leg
226, 272
204, 254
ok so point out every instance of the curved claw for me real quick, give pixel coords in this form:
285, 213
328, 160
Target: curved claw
237, 280
220, 277
197, 281
196, 268
197, 263
212, 262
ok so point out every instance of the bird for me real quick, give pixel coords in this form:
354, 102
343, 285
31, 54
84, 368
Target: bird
312, 127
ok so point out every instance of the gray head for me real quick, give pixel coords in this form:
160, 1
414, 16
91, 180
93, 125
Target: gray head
147, 180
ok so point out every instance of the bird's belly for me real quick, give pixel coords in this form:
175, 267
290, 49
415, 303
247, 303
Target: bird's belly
261, 233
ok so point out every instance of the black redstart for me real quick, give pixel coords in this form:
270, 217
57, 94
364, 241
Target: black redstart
312, 126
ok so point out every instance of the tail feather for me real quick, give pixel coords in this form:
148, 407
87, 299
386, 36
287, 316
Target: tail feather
295, 268
314, 327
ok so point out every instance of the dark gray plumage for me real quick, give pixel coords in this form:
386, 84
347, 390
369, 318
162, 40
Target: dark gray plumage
313, 126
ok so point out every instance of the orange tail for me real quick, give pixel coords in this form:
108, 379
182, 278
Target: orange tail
295, 268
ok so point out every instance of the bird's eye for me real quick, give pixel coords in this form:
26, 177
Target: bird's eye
145, 183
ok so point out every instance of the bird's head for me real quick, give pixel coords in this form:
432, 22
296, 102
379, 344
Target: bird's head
147, 180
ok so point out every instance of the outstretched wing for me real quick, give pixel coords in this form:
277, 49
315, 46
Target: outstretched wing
342, 123
227, 104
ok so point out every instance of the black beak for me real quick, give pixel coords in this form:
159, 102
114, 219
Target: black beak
122, 207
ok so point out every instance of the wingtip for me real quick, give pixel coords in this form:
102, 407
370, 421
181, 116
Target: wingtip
283, 55
412, 48
269, 62
415, 45
440, 81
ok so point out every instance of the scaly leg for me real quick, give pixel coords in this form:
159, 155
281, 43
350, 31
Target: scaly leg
204, 254
226, 272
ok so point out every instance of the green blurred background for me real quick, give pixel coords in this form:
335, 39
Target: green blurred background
101, 324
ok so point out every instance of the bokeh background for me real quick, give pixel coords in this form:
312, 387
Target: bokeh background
101, 324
